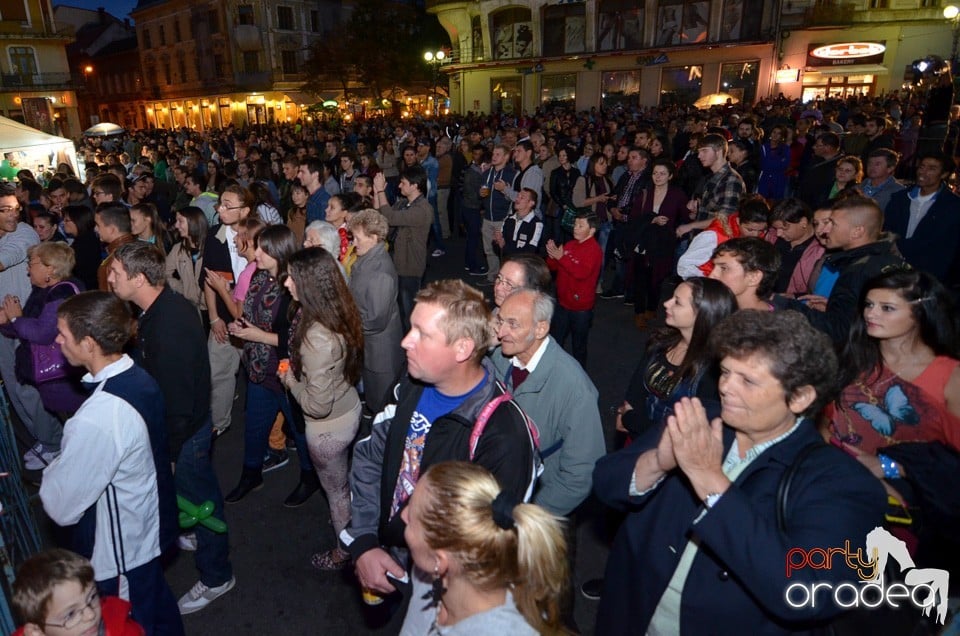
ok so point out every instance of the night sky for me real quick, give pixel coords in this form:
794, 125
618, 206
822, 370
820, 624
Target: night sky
118, 8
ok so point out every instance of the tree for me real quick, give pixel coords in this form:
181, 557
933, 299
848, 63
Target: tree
380, 46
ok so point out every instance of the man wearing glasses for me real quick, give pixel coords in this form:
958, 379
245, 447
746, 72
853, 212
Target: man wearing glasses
15, 239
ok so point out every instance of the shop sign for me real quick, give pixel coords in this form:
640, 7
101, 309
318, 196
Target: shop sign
652, 60
788, 76
844, 53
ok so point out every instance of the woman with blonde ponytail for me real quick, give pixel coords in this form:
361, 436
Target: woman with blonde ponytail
498, 566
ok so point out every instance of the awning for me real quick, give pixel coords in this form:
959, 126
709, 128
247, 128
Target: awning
852, 69
299, 97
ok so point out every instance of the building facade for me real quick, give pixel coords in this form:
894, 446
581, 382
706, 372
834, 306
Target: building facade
212, 63
510, 56
36, 86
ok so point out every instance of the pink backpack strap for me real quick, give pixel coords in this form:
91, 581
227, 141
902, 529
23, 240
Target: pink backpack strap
484, 417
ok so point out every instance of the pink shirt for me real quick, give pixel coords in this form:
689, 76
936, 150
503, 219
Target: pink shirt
243, 282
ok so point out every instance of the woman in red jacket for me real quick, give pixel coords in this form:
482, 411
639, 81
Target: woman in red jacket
577, 264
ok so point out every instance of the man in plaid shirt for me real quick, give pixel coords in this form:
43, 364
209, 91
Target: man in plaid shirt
721, 192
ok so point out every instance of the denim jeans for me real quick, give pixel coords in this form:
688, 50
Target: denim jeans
152, 603
577, 324
407, 288
263, 404
436, 227
195, 481
603, 236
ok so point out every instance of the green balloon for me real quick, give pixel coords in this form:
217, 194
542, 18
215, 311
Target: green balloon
191, 515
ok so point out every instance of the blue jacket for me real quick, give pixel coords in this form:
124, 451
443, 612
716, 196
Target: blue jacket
738, 578
934, 243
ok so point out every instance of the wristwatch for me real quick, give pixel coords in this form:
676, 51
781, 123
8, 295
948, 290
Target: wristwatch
711, 499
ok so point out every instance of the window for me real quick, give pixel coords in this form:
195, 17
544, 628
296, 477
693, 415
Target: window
620, 25
621, 88
285, 18
14, 11
213, 20
741, 20
166, 74
245, 14
476, 39
680, 84
251, 62
512, 34
564, 29
682, 22
218, 65
146, 38
189, 30
740, 80
558, 90
176, 31
288, 61
182, 69
23, 62
162, 35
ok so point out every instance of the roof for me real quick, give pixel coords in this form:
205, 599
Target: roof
118, 46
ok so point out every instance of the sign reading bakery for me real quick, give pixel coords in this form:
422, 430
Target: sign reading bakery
845, 53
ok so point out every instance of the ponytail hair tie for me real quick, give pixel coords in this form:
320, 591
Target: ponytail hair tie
503, 506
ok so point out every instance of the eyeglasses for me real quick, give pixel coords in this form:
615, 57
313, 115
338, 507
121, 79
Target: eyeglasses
74, 617
7, 209
224, 206
98, 193
500, 280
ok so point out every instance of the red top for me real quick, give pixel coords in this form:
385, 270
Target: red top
115, 616
577, 273
725, 228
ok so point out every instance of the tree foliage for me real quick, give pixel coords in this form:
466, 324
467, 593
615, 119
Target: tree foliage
380, 46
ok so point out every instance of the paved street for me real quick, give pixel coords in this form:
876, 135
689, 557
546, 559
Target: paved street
278, 592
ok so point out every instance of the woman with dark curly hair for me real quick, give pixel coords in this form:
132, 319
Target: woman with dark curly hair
703, 546
326, 358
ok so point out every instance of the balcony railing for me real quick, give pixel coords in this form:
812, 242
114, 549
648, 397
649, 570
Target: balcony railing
253, 81
36, 80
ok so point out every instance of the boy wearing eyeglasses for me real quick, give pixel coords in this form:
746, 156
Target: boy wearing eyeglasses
55, 595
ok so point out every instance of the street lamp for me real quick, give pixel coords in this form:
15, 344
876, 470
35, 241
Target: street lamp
435, 59
952, 13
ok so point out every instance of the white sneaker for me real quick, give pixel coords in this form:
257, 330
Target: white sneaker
200, 596
187, 542
37, 458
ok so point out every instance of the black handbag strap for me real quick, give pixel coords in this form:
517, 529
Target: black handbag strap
786, 481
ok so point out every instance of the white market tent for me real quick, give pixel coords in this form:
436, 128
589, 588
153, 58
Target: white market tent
26, 147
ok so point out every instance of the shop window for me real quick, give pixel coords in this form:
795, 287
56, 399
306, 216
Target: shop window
285, 18
619, 25
680, 85
621, 88
245, 14
682, 22
564, 29
512, 34
506, 94
741, 20
558, 90
288, 60
740, 80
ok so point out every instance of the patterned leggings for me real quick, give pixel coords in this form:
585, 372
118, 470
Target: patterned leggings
328, 442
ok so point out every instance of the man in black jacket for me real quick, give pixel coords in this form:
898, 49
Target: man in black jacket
172, 347
816, 182
863, 250
431, 420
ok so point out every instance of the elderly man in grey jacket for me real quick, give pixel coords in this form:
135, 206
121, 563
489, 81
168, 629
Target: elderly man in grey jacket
553, 390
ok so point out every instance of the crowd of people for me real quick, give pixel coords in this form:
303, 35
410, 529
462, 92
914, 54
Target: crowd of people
794, 266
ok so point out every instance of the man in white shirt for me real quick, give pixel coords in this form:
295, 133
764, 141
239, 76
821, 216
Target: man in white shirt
107, 479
